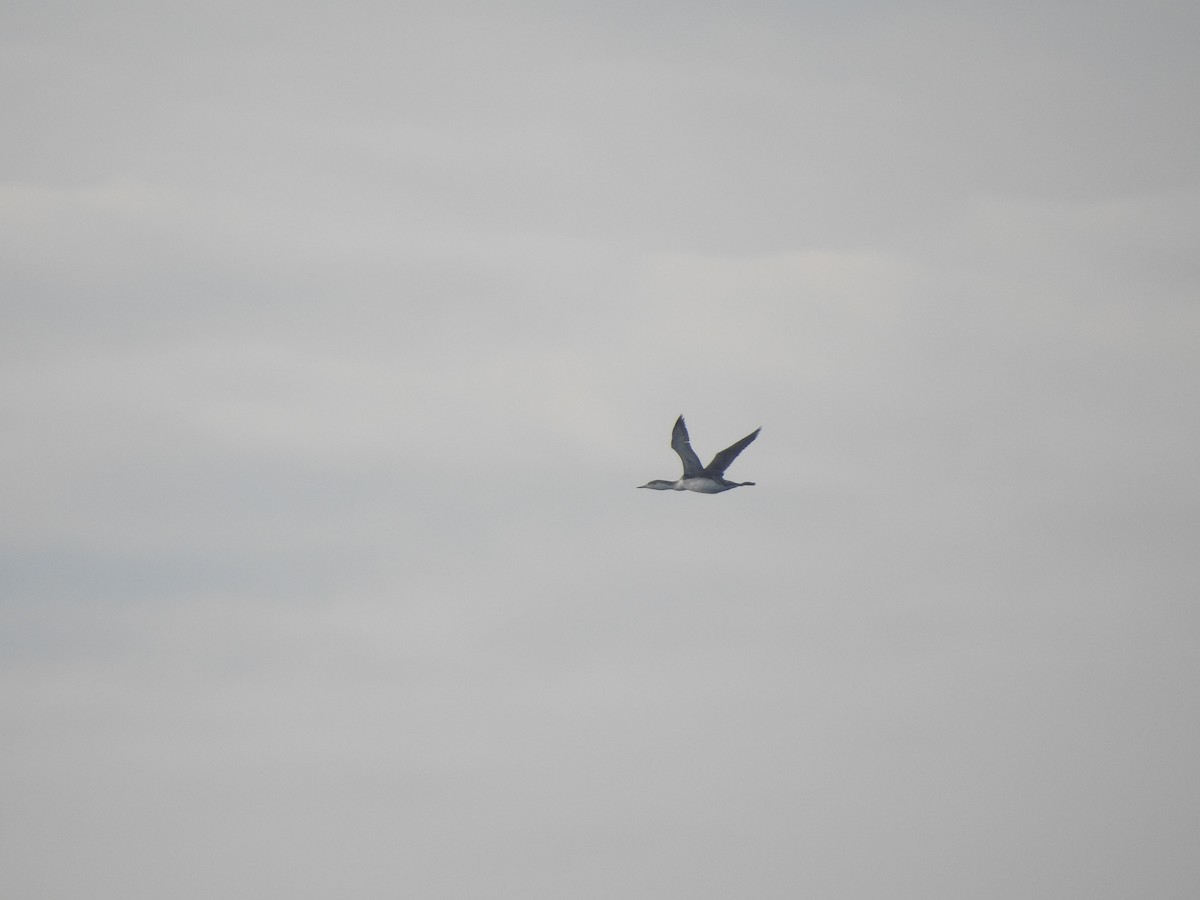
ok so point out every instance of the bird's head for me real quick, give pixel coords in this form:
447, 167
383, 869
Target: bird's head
658, 485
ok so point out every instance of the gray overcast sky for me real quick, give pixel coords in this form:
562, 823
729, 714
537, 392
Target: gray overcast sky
337, 336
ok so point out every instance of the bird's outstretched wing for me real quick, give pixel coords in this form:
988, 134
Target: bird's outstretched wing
724, 459
682, 445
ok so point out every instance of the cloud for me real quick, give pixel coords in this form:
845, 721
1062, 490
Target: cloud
338, 338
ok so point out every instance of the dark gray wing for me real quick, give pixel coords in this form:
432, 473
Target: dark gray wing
725, 458
681, 444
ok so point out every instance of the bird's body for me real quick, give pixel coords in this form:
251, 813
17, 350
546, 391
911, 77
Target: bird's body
708, 479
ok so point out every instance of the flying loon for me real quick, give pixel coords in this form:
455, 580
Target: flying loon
708, 479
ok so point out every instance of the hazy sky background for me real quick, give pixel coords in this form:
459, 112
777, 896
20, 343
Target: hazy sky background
337, 336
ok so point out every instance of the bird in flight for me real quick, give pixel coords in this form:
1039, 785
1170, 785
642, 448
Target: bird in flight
708, 479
